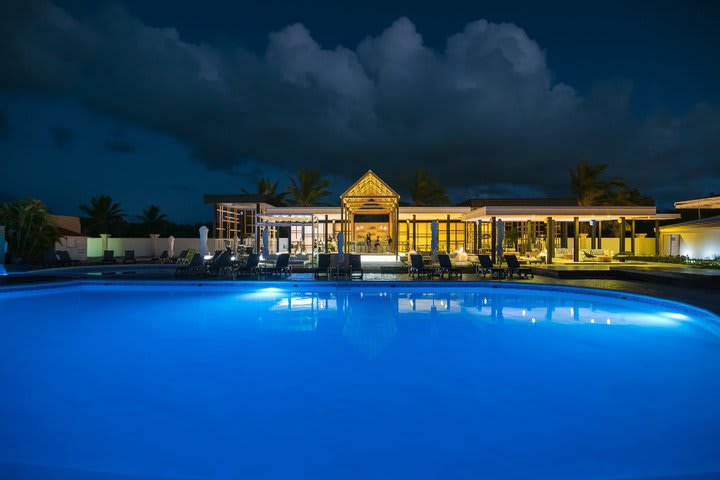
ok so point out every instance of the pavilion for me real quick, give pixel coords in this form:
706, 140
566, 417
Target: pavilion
370, 208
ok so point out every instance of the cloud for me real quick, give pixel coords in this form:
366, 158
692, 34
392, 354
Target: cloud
4, 125
485, 109
119, 146
62, 137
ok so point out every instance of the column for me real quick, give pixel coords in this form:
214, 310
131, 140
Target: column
325, 245
214, 229
550, 240
493, 239
599, 234
622, 234
256, 231
448, 249
593, 234
563, 234
396, 236
657, 238
576, 239
414, 234
632, 236
476, 237
154, 237
528, 235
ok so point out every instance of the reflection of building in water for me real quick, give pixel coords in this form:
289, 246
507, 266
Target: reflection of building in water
295, 311
370, 321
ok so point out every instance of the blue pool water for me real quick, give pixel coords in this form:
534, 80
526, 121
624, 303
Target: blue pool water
381, 382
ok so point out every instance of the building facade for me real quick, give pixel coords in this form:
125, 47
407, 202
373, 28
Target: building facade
371, 219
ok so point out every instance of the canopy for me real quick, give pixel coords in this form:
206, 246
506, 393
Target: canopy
265, 243
340, 245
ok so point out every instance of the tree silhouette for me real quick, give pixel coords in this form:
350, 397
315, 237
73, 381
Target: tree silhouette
307, 187
270, 191
103, 214
588, 186
426, 190
152, 216
31, 230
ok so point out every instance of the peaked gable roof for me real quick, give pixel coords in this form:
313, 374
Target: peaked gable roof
370, 185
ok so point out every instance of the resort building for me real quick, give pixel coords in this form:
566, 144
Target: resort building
371, 219
699, 238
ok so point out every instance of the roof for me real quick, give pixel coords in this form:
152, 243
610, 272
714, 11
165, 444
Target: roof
514, 202
370, 185
68, 226
707, 202
566, 213
236, 198
700, 224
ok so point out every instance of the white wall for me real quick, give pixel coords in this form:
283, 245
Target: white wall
143, 246
643, 245
703, 244
75, 246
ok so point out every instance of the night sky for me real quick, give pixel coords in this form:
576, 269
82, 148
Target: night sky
162, 101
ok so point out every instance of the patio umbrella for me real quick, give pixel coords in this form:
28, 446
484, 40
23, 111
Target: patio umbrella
203, 240
340, 245
265, 243
171, 246
500, 239
434, 236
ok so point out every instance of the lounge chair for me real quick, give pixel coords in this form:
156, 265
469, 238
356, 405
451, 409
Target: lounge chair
222, 264
108, 257
129, 257
356, 270
180, 258
193, 266
251, 265
486, 267
282, 266
161, 259
64, 260
446, 267
341, 269
418, 268
323, 266
514, 268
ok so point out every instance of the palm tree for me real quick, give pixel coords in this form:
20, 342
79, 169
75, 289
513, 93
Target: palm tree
152, 216
307, 187
31, 230
103, 214
426, 190
589, 188
269, 190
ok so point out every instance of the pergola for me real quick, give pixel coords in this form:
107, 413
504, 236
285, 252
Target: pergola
369, 196
550, 215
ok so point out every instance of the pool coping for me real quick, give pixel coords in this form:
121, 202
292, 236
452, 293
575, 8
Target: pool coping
375, 284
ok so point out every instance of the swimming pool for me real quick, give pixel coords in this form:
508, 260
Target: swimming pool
274, 380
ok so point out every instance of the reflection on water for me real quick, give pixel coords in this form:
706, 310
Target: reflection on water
369, 319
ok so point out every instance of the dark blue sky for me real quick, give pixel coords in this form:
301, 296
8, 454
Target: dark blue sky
158, 102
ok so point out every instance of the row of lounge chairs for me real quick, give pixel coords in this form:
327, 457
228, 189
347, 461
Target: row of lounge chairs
445, 267
222, 264
108, 258
486, 267
329, 267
